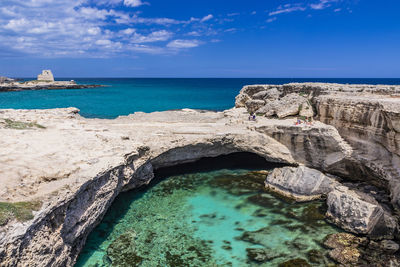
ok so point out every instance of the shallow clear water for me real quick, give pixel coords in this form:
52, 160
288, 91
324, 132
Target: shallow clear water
126, 96
207, 219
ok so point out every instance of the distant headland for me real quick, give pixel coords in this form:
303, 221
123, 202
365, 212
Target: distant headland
45, 81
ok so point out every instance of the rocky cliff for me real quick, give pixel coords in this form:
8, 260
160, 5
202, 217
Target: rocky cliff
75, 167
366, 116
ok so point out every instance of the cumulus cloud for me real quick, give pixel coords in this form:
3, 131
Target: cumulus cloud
91, 28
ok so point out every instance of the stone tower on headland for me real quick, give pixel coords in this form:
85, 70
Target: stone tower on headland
46, 76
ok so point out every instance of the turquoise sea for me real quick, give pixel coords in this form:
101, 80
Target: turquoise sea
210, 218
126, 96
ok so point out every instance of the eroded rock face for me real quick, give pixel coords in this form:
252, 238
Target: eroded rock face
301, 184
366, 116
318, 146
351, 210
359, 213
369, 124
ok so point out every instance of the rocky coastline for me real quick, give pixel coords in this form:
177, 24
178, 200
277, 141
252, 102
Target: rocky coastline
75, 167
16, 86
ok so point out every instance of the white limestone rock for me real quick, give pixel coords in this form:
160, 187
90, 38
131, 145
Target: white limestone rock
306, 110
289, 105
359, 213
254, 105
301, 183
46, 75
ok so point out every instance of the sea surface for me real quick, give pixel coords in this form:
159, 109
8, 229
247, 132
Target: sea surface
126, 96
214, 218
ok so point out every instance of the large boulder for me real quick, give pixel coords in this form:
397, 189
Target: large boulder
306, 110
254, 105
272, 93
301, 183
289, 105
359, 213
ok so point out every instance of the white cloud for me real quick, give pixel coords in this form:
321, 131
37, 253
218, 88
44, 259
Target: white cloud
95, 28
128, 31
206, 18
322, 4
179, 44
271, 20
94, 31
134, 3
194, 33
156, 36
103, 42
287, 9
231, 30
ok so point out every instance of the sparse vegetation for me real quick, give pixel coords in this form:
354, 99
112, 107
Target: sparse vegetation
22, 211
19, 125
37, 81
300, 107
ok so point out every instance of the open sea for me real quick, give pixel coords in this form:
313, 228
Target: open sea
126, 96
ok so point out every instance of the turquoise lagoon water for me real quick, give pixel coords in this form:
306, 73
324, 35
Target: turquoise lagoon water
126, 96
216, 218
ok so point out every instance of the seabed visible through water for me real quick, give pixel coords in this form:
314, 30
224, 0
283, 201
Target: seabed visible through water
213, 218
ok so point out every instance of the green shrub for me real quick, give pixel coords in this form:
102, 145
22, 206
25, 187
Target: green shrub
19, 125
300, 107
22, 211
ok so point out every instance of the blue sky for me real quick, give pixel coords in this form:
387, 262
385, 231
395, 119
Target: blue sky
158, 38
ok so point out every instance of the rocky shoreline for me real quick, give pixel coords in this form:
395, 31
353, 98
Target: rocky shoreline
12, 87
75, 167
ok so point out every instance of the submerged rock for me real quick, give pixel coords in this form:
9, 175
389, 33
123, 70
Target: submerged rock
315, 256
344, 247
301, 183
259, 237
122, 251
262, 254
342, 240
295, 263
389, 246
345, 255
241, 184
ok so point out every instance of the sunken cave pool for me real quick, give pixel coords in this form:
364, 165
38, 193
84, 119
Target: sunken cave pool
214, 212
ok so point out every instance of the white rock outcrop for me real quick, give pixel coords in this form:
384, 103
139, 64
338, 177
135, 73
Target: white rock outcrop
301, 183
366, 116
359, 213
46, 75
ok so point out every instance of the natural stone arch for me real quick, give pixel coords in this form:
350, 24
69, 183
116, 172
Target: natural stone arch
68, 223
